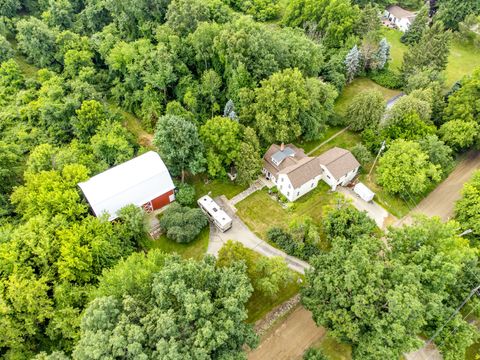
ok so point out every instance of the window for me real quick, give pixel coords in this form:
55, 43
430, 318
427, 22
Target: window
298, 193
281, 179
288, 193
312, 185
328, 177
280, 187
289, 186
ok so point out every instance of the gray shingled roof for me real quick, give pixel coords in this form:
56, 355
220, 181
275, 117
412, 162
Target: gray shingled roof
338, 161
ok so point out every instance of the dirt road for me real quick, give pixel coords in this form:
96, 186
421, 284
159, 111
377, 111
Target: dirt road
441, 201
290, 338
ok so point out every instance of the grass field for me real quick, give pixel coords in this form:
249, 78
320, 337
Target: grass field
260, 212
357, 86
333, 349
194, 250
308, 146
462, 61
347, 140
215, 187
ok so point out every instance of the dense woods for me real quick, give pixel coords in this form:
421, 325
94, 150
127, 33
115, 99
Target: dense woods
216, 82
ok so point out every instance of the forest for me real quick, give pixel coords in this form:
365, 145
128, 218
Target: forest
213, 83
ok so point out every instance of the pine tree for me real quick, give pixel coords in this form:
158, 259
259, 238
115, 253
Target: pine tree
383, 54
352, 63
430, 52
418, 27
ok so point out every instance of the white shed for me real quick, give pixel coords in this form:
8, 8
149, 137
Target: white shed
364, 192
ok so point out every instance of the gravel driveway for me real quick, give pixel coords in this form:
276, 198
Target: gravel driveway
241, 233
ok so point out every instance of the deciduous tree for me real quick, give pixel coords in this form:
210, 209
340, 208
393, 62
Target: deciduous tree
405, 169
366, 110
179, 145
182, 224
459, 134
184, 316
221, 137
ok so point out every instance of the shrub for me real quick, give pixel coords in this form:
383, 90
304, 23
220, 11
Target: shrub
182, 224
363, 155
285, 241
185, 194
387, 78
313, 354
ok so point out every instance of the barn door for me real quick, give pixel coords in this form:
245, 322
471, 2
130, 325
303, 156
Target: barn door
148, 207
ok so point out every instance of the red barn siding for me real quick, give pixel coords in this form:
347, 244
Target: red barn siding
161, 200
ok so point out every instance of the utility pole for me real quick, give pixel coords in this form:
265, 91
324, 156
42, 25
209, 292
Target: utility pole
382, 147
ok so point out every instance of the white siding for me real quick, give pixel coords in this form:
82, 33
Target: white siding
293, 194
333, 182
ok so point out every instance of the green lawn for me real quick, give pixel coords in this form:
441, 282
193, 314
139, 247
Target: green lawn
215, 187
462, 61
346, 140
258, 306
260, 212
333, 349
195, 250
308, 146
357, 86
397, 49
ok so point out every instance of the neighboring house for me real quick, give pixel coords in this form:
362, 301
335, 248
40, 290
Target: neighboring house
339, 167
400, 17
143, 181
295, 173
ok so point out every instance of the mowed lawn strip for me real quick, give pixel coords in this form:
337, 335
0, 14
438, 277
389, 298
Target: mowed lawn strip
193, 250
260, 212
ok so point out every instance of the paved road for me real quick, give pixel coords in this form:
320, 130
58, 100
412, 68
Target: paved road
290, 338
240, 232
441, 201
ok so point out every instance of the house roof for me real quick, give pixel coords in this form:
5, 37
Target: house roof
304, 171
399, 12
338, 161
295, 164
292, 156
136, 181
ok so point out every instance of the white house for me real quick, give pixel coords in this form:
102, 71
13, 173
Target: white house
143, 181
400, 17
295, 173
339, 167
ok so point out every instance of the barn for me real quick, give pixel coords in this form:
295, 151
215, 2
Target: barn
143, 181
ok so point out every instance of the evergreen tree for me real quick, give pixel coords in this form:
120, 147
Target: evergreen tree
383, 54
352, 63
229, 110
418, 27
430, 52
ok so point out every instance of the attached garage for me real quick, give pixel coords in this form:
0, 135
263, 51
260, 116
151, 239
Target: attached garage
143, 181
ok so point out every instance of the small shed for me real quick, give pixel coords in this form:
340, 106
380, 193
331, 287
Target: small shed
364, 192
143, 181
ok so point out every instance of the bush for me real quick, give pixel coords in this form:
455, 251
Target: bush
313, 354
285, 241
387, 78
182, 224
337, 120
363, 155
6, 51
185, 194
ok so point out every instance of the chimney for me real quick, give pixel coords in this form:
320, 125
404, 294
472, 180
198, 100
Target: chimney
282, 147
